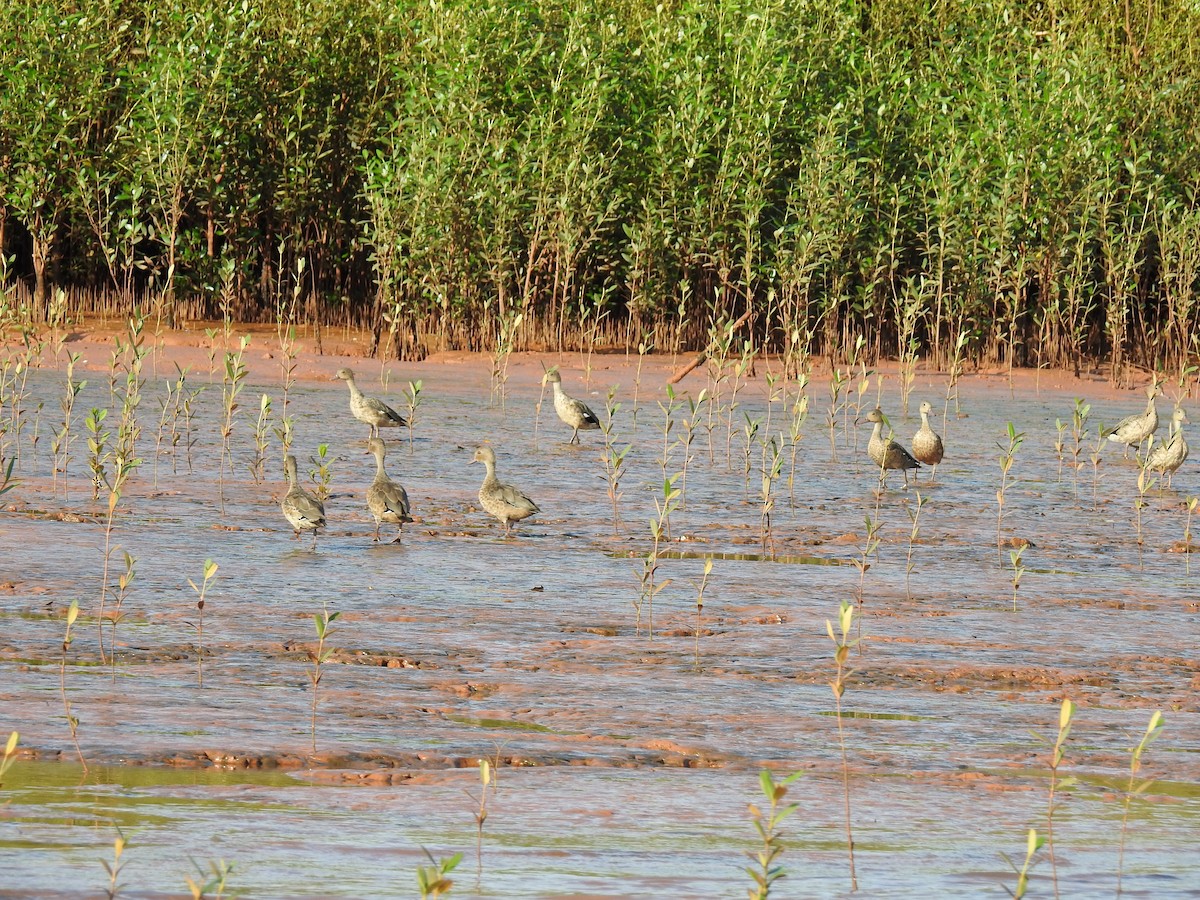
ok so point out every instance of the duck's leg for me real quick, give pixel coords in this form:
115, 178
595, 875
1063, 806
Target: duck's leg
376, 531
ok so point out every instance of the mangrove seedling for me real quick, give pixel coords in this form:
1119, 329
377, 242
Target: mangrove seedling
262, 431
72, 720
914, 516
211, 883
1018, 570
1190, 505
123, 583
433, 880
1132, 790
322, 472
412, 398
1008, 454
772, 469
1033, 844
210, 571
614, 457
1065, 716
842, 645
10, 755
114, 868
708, 564
767, 824
319, 656
488, 781
231, 386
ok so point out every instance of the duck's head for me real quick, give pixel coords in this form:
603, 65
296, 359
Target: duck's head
926, 406
375, 445
345, 374
485, 455
552, 377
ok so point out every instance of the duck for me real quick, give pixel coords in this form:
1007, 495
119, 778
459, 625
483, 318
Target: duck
304, 511
926, 443
1168, 456
503, 501
887, 453
368, 410
1132, 430
386, 499
573, 412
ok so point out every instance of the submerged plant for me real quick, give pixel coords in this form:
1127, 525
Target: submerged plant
767, 824
488, 782
842, 644
1132, 790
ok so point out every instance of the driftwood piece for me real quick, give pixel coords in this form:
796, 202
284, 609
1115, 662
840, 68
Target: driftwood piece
703, 355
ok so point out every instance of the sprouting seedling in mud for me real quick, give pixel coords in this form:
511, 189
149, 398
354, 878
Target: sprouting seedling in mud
10, 755
796, 430
615, 457
262, 432
1066, 716
124, 582
1060, 443
72, 720
210, 572
914, 515
412, 397
691, 422
1008, 453
708, 565
649, 585
750, 432
768, 825
1079, 418
837, 382
870, 547
60, 443
1133, 790
1190, 505
114, 868
211, 882
433, 880
1033, 843
842, 644
319, 656
1018, 570
772, 469
321, 474
1145, 484
98, 453
488, 783
231, 386
669, 409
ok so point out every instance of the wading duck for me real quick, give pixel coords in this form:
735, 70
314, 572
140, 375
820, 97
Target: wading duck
927, 443
886, 453
574, 412
503, 501
1132, 430
386, 499
304, 511
368, 410
1167, 457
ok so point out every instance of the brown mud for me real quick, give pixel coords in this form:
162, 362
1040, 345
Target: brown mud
625, 763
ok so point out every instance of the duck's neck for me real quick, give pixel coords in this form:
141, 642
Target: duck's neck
379, 473
354, 391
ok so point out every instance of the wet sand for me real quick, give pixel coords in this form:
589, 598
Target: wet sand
625, 763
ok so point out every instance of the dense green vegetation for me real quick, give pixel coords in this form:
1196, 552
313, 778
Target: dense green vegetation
1018, 179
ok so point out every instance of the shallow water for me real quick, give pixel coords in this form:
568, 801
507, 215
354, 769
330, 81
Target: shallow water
625, 763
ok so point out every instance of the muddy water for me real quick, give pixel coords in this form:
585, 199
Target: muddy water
625, 763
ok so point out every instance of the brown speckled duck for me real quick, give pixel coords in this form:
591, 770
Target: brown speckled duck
887, 453
386, 499
503, 501
304, 511
927, 443
368, 410
574, 412
1167, 457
